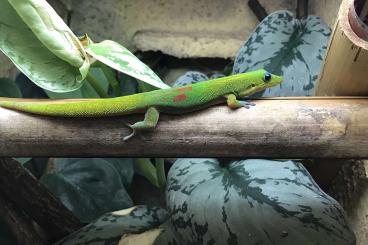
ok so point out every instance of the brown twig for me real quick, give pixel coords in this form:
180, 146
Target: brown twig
20, 224
257, 9
29, 195
301, 9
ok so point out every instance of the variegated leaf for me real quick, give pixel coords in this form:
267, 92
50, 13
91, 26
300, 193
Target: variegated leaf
251, 202
289, 47
41, 46
90, 187
190, 77
121, 59
111, 227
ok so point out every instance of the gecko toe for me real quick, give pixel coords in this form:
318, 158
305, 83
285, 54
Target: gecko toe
130, 135
246, 104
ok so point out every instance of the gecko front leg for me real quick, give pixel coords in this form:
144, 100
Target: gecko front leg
234, 103
149, 123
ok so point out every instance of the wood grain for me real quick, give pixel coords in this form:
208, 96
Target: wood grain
276, 128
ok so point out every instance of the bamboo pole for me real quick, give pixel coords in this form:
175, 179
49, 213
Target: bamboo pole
345, 71
309, 127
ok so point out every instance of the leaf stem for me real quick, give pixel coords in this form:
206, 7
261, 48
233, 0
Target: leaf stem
148, 170
114, 83
160, 172
96, 86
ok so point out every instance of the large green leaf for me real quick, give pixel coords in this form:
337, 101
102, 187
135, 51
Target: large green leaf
41, 46
121, 59
50, 29
288, 47
86, 91
91, 187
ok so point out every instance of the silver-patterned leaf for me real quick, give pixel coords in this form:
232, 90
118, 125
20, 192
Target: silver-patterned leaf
190, 77
251, 202
109, 228
90, 187
288, 47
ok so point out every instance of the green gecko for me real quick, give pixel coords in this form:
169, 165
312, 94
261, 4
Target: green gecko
172, 100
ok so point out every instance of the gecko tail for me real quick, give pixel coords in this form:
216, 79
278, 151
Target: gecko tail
72, 107
8, 104
57, 108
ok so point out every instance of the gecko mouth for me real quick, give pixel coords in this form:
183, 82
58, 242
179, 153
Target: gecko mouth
267, 84
275, 81
251, 91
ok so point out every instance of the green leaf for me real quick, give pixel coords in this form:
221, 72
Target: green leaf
111, 78
37, 41
95, 84
121, 59
160, 173
125, 168
8, 88
145, 87
86, 91
288, 47
50, 29
91, 187
148, 170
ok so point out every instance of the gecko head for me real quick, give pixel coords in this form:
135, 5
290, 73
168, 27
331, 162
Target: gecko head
259, 80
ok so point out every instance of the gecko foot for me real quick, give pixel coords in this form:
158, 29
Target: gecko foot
130, 135
246, 104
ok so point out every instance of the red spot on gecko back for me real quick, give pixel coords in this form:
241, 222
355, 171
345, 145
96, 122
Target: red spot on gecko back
184, 89
179, 97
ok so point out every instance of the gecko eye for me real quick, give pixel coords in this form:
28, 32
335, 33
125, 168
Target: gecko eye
267, 77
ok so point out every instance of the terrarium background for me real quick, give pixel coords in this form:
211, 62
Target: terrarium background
195, 29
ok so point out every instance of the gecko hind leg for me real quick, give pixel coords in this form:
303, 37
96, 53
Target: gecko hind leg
149, 123
234, 103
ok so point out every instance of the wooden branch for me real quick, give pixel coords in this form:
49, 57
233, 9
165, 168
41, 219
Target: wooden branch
275, 128
34, 199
